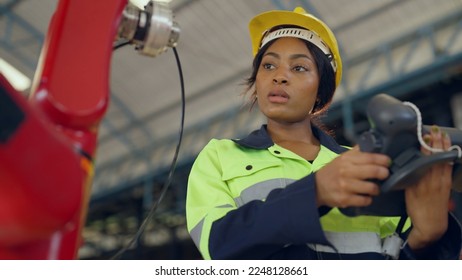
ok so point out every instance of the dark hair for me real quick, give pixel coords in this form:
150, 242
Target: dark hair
326, 77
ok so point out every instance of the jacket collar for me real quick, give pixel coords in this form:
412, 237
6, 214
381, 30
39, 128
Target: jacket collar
260, 139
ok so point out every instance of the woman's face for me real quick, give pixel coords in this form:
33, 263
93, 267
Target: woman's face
287, 81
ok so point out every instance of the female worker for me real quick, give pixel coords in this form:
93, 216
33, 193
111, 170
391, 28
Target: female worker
275, 194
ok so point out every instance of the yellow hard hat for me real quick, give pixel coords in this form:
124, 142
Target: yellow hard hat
317, 32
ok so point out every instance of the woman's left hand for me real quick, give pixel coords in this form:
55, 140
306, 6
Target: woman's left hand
427, 202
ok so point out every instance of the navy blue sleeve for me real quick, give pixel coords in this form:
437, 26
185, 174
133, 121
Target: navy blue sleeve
278, 227
447, 248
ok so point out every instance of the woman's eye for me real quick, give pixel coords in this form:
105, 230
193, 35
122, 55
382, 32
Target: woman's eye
300, 68
268, 66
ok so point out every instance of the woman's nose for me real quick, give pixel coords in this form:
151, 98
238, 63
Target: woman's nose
280, 80
280, 76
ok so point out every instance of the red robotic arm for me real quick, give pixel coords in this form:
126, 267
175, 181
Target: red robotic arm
47, 142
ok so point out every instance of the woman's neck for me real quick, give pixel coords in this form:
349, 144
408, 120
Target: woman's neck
295, 132
298, 138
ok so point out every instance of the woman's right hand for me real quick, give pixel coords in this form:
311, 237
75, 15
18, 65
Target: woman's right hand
348, 179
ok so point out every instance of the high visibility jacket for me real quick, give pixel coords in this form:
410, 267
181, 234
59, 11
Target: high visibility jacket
253, 199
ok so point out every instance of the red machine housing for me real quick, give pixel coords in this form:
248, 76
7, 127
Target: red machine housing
48, 142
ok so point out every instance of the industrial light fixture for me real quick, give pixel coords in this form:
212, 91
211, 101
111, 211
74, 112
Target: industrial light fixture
17, 79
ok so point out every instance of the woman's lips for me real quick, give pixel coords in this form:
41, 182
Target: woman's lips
278, 97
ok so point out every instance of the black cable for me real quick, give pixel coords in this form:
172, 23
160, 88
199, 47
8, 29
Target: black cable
120, 43
172, 166
400, 226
